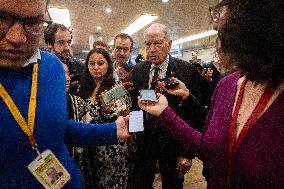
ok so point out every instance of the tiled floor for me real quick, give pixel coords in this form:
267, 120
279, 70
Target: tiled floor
193, 179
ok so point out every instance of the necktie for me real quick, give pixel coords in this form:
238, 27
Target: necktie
154, 83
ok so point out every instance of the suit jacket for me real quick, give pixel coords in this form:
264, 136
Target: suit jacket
191, 111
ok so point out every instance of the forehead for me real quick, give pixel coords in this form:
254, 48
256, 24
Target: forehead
122, 42
24, 8
154, 34
62, 35
97, 56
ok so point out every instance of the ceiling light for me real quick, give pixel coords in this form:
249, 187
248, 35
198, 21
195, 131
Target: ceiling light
138, 24
165, 1
194, 37
108, 10
99, 28
60, 16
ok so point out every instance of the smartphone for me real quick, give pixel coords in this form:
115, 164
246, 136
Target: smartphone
148, 96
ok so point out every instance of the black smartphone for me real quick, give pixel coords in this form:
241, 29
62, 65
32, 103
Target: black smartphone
171, 83
148, 96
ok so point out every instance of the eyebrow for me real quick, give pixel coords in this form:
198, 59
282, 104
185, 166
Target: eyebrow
21, 17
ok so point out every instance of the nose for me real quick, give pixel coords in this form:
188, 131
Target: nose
16, 34
95, 66
152, 48
68, 78
67, 46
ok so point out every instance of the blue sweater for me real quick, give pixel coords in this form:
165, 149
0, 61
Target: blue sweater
51, 125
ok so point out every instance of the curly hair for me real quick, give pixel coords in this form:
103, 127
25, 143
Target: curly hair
253, 39
88, 84
49, 33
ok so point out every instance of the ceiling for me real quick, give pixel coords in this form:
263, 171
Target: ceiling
183, 17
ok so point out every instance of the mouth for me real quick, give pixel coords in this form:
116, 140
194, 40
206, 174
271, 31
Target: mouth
153, 57
15, 54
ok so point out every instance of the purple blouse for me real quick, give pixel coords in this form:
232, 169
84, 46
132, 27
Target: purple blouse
259, 162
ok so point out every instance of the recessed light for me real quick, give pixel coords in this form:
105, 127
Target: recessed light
99, 28
165, 1
108, 10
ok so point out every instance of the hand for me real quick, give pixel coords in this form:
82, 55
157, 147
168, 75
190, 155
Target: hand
154, 108
123, 74
179, 90
122, 127
184, 165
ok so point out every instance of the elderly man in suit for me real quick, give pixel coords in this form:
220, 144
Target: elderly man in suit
154, 145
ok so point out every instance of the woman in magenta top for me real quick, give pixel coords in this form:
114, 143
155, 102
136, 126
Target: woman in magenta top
244, 136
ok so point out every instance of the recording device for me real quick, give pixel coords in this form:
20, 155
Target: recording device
170, 83
127, 67
74, 75
116, 99
148, 96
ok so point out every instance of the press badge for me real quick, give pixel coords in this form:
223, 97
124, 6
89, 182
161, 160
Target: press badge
49, 171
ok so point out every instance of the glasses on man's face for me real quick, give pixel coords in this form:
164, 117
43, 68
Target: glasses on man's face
158, 43
123, 49
32, 25
215, 11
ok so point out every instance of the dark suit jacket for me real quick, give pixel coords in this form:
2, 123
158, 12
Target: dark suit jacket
190, 111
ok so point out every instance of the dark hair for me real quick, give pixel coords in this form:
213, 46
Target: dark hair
49, 33
124, 36
253, 39
88, 84
99, 43
138, 58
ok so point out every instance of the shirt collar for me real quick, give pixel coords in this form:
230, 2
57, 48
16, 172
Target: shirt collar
34, 58
163, 65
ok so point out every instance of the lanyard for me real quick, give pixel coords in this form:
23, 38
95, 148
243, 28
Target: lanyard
27, 127
234, 142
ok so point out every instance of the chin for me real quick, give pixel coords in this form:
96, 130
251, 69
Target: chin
13, 64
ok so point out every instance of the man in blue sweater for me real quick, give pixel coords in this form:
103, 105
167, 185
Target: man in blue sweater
33, 116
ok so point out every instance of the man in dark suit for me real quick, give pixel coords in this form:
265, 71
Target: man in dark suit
154, 144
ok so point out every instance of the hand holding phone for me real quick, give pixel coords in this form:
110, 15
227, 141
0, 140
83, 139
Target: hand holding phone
148, 96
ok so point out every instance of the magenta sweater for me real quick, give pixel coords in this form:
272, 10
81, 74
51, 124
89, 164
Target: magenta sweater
260, 157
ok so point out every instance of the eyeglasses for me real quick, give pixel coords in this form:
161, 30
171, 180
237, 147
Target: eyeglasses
158, 43
215, 11
32, 25
123, 49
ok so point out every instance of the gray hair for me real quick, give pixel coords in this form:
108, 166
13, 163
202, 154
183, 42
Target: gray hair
162, 27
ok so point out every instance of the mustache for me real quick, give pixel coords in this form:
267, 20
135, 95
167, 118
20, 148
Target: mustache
66, 51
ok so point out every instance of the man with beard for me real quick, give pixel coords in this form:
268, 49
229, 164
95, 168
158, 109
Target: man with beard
58, 38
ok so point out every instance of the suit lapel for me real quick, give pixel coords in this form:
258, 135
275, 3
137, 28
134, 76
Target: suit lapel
145, 75
171, 68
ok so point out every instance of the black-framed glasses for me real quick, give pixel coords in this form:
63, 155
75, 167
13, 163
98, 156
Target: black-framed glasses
215, 11
32, 25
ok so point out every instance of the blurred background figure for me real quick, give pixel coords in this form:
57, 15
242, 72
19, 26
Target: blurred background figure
100, 45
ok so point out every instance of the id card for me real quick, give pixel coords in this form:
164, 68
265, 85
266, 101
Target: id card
49, 171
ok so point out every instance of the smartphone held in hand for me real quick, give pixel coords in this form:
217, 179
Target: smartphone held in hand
148, 96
